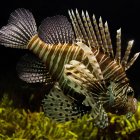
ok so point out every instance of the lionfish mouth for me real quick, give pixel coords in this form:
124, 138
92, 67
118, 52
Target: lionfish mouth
132, 104
130, 107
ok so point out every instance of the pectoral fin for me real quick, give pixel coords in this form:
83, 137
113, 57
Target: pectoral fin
81, 79
60, 107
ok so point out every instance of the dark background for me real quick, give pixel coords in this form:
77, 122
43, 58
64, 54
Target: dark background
124, 14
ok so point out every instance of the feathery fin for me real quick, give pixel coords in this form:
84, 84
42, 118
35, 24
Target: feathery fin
60, 107
57, 29
19, 30
31, 70
93, 61
77, 72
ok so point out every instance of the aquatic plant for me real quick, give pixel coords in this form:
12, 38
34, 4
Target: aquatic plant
20, 124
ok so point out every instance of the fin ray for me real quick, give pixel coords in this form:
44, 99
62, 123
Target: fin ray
60, 107
19, 30
31, 70
57, 29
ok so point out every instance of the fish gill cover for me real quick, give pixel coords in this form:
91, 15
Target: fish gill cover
87, 76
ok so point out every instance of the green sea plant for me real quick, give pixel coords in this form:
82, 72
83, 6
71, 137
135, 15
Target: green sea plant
18, 124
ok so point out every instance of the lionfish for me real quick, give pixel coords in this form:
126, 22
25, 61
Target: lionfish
78, 59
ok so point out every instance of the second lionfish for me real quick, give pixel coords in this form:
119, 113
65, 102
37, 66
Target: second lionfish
78, 60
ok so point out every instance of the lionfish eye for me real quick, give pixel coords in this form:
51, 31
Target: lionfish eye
130, 91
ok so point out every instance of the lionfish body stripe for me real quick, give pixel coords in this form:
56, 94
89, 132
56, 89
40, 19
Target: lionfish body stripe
77, 60
47, 53
68, 52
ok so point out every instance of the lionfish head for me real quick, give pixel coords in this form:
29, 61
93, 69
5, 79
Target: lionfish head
122, 99
129, 108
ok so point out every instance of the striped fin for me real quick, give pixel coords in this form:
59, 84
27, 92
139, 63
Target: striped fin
127, 53
92, 60
57, 29
133, 59
76, 26
97, 31
84, 80
19, 30
118, 48
124, 61
100, 116
31, 70
108, 39
60, 107
91, 32
95, 36
102, 32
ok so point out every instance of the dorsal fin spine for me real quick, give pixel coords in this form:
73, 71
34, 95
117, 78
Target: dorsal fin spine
108, 39
98, 33
127, 53
118, 46
87, 30
81, 25
91, 30
75, 25
103, 35
131, 62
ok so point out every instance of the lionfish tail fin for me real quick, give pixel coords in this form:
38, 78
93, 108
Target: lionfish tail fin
19, 30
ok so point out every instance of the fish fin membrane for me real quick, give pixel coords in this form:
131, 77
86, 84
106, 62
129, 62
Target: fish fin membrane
92, 60
31, 70
19, 30
60, 107
100, 116
82, 80
97, 35
57, 29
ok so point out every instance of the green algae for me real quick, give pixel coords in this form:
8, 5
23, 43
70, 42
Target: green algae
18, 124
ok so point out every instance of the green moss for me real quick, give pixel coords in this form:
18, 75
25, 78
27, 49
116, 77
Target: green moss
25, 125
